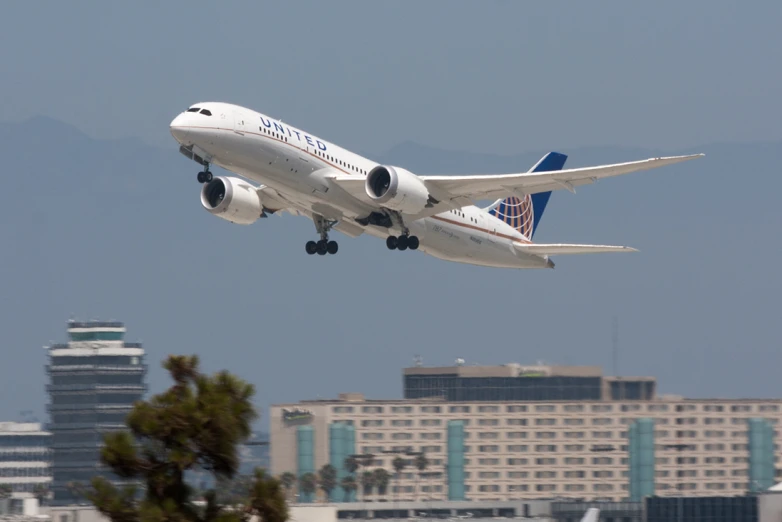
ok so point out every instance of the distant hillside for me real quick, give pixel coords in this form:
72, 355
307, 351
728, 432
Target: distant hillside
114, 229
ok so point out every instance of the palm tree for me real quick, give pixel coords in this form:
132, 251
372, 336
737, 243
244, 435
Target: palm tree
367, 483
421, 463
308, 483
351, 466
327, 479
382, 477
399, 466
41, 492
288, 480
349, 486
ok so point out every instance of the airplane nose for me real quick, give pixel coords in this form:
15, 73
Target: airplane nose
179, 129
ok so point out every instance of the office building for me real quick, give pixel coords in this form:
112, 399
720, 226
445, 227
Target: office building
604, 441
94, 380
25, 457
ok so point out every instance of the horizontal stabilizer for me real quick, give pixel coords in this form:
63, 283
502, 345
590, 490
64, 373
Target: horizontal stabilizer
563, 249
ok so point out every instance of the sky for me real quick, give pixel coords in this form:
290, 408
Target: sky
89, 89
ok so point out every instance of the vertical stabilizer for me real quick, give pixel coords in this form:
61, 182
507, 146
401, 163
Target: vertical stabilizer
525, 213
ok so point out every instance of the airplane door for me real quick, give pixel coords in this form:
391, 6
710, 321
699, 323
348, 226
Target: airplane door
239, 123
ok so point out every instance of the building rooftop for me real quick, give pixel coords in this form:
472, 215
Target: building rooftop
21, 428
507, 370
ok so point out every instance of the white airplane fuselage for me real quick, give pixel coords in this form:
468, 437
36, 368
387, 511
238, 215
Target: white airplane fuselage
296, 166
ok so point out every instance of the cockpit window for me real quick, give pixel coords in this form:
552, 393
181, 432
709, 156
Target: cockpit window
193, 109
207, 112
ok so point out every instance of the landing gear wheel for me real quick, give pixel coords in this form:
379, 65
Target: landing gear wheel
391, 242
412, 242
332, 247
207, 176
311, 247
201, 177
322, 247
402, 243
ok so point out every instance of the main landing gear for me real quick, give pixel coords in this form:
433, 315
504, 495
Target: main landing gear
206, 175
402, 242
324, 246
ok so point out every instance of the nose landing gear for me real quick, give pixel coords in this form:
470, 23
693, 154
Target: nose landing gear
206, 175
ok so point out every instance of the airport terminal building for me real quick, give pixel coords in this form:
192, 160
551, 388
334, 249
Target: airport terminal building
526, 432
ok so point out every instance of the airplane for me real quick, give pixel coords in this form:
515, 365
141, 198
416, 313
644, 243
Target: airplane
302, 174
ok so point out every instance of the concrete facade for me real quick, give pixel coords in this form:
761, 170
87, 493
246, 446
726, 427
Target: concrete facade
25, 457
536, 449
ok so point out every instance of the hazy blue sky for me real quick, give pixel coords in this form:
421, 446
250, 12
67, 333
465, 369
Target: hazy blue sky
521, 74
112, 229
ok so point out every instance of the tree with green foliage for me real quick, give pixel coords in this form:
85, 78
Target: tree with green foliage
351, 464
399, 466
382, 478
288, 481
327, 480
421, 463
197, 424
349, 485
41, 492
367, 483
308, 484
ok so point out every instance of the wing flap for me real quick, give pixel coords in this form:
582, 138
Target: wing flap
565, 249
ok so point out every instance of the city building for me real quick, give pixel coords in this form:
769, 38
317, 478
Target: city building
25, 458
94, 380
606, 438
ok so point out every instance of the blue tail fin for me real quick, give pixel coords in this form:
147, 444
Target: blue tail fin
525, 214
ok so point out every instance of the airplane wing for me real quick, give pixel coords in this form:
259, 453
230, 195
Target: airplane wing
492, 186
453, 192
539, 249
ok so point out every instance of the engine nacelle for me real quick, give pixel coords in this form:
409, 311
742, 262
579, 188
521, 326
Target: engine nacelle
397, 189
232, 199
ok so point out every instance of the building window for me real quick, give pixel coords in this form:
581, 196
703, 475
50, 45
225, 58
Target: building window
459, 409
401, 409
515, 408
372, 409
516, 422
488, 409
546, 447
545, 408
517, 462
372, 422
573, 408
574, 422
517, 447
488, 422
401, 422
430, 409
517, 434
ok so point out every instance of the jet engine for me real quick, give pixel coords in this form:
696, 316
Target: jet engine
398, 189
232, 199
